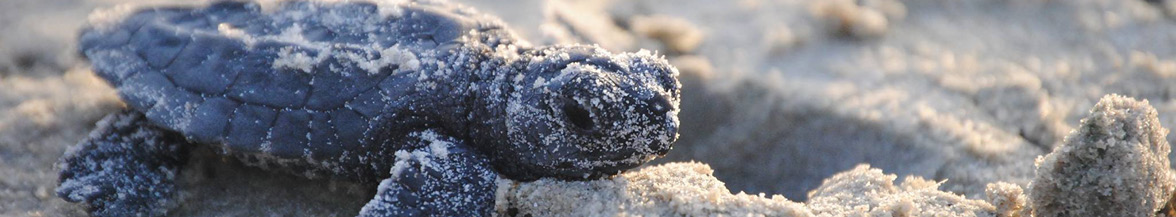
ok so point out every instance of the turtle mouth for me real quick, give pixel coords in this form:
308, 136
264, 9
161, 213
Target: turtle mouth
600, 166
568, 171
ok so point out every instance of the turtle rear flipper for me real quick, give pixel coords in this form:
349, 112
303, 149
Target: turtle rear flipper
125, 168
443, 178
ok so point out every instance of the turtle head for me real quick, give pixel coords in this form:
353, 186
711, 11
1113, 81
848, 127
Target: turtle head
580, 112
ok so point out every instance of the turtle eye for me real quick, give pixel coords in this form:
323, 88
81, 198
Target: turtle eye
578, 116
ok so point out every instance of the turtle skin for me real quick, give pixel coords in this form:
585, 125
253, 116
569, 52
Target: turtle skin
434, 99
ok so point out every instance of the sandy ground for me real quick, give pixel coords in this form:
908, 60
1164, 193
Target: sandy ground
779, 95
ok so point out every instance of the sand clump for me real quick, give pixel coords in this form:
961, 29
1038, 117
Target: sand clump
1114, 164
675, 33
1009, 199
861, 19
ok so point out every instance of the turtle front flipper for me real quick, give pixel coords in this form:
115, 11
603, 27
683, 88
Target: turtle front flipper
126, 168
443, 178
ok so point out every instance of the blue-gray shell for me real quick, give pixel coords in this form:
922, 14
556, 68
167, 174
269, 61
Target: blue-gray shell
301, 80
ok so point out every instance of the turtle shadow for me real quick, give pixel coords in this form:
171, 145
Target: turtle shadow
215, 185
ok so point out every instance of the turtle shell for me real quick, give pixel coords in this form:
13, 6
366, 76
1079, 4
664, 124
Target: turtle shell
298, 80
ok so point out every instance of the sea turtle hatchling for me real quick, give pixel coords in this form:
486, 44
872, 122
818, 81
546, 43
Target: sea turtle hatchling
432, 98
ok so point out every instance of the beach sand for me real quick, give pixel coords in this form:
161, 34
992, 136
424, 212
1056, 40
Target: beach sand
779, 96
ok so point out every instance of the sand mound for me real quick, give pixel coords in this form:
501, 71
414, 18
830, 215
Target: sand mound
690, 189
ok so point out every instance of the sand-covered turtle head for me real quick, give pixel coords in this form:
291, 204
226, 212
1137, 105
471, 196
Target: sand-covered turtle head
580, 112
